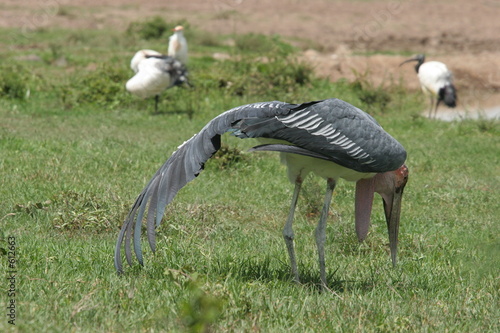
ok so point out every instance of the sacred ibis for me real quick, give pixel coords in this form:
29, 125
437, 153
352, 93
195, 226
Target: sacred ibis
436, 81
177, 45
329, 138
154, 73
140, 56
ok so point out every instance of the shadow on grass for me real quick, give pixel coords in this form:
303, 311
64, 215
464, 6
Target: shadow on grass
188, 112
269, 270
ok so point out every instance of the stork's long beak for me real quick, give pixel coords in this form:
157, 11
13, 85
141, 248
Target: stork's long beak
392, 208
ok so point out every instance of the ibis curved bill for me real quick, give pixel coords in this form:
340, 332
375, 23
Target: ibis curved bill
436, 82
329, 138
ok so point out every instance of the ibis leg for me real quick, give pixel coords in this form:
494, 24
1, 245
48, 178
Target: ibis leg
288, 231
157, 97
431, 107
436, 108
321, 231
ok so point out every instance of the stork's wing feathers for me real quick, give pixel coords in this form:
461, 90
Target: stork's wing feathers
329, 129
332, 128
282, 148
182, 167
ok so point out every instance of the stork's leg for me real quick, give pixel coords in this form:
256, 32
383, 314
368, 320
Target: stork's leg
321, 230
288, 231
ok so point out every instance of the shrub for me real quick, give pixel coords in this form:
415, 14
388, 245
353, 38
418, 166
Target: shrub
104, 86
15, 82
262, 44
153, 28
228, 158
269, 77
374, 98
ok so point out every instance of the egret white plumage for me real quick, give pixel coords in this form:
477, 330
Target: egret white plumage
329, 138
436, 82
177, 45
155, 73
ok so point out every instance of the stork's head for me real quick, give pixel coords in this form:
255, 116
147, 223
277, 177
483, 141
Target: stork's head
178, 28
419, 58
390, 186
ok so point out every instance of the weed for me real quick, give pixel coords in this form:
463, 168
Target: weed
268, 78
227, 158
31, 208
85, 211
200, 309
54, 54
153, 28
263, 45
104, 87
374, 98
15, 82
486, 125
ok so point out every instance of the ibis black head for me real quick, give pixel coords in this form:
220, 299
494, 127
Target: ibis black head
420, 58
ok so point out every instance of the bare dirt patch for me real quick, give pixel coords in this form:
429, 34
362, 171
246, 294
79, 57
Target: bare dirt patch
339, 37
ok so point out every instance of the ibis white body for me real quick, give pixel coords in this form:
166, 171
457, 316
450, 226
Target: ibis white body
154, 73
140, 56
433, 76
436, 81
151, 79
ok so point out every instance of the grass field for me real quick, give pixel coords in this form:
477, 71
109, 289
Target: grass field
77, 150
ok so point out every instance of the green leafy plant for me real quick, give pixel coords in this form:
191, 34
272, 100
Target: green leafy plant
153, 28
15, 81
104, 87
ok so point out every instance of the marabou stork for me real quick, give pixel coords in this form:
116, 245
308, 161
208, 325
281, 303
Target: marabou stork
177, 45
155, 73
436, 81
329, 138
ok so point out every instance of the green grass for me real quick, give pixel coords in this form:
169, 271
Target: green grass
73, 158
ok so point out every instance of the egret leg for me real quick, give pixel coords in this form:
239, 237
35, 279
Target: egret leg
321, 230
288, 231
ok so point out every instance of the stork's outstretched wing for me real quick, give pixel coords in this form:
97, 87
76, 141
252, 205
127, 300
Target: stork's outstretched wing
331, 129
182, 167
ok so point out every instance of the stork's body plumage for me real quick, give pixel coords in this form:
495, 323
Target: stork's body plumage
154, 73
330, 138
436, 82
177, 45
